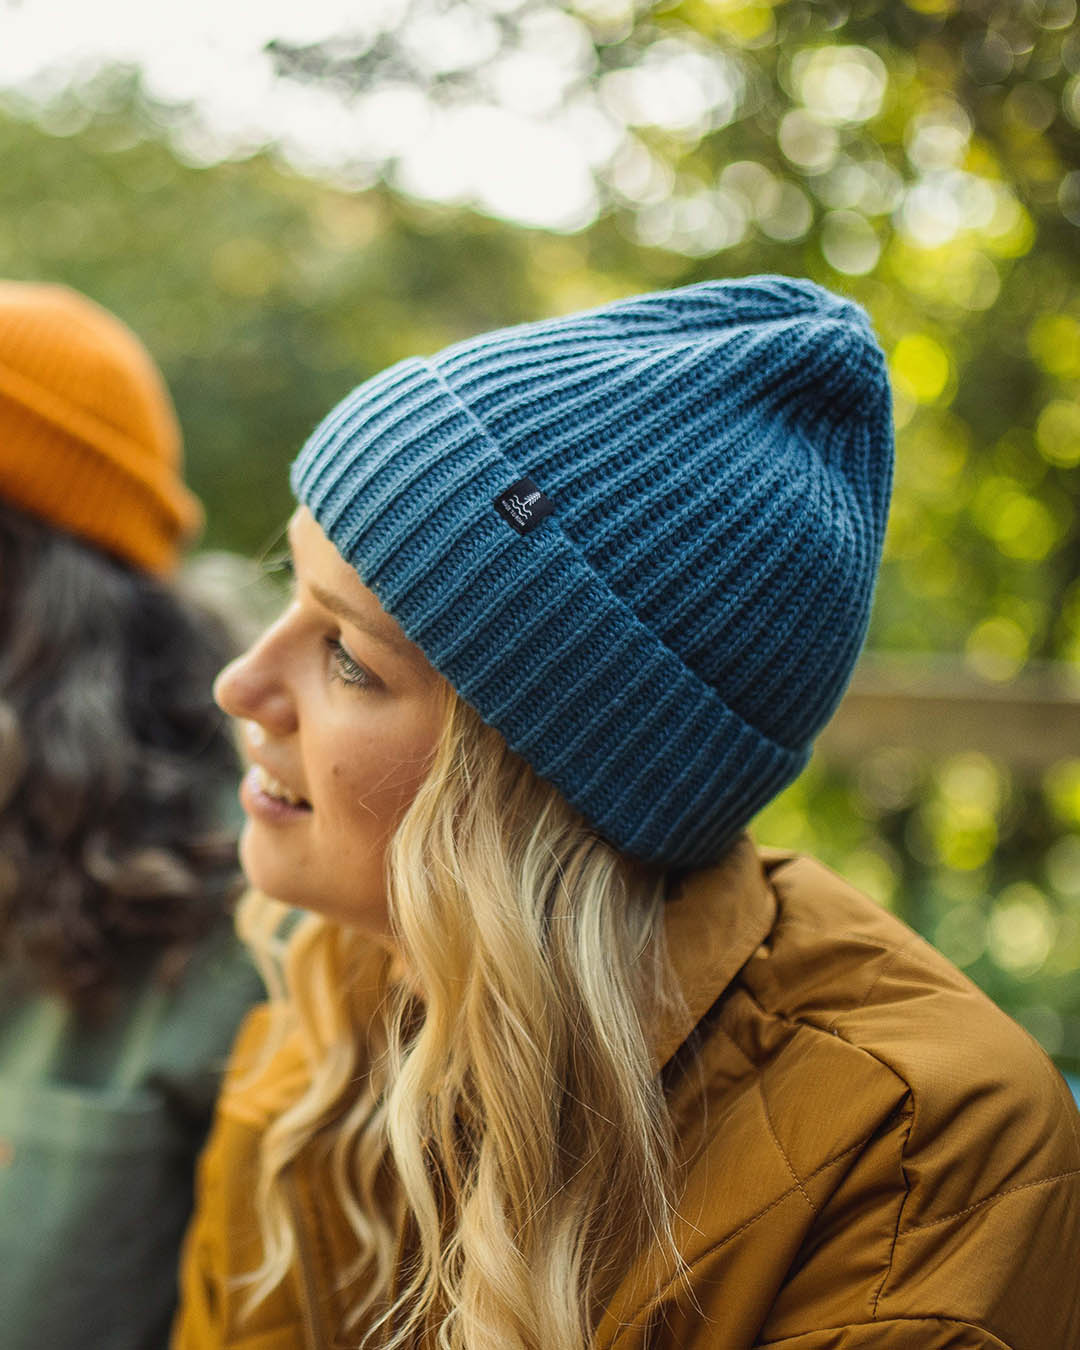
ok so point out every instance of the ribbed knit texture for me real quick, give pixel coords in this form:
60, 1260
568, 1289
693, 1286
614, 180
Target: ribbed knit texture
665, 645
88, 437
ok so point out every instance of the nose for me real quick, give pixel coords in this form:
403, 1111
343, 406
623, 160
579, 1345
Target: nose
254, 687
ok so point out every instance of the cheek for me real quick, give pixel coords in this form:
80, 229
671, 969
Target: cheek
375, 790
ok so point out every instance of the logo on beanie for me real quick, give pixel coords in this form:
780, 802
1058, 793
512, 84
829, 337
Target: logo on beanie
523, 505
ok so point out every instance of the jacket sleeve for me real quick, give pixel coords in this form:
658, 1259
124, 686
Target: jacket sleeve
222, 1243
864, 1267
708, 1324
199, 1321
998, 1275
212, 1313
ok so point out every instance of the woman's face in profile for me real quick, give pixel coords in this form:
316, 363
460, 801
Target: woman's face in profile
342, 714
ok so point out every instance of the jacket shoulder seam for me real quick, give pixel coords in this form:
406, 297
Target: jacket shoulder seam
902, 1230
899, 1221
993, 1199
886, 966
993, 1341
831, 1029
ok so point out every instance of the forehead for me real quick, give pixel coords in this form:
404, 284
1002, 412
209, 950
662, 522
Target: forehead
319, 561
337, 586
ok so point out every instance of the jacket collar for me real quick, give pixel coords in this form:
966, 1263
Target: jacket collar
715, 920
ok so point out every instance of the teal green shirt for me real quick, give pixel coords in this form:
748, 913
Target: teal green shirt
100, 1127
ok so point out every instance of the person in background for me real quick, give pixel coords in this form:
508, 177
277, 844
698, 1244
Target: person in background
121, 982
559, 1058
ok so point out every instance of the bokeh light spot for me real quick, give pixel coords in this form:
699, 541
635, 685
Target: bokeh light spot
780, 208
961, 934
920, 367
806, 141
997, 649
1020, 525
1057, 433
1070, 100
961, 818
938, 135
1062, 787
790, 217
1063, 865
1069, 197
973, 780
748, 24
987, 57
1021, 929
849, 243
678, 86
1053, 14
840, 85
1030, 107
1054, 341
874, 874
1011, 231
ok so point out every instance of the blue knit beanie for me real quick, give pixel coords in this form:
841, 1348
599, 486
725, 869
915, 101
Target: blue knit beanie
640, 541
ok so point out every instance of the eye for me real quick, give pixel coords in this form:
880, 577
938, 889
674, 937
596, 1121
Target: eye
345, 668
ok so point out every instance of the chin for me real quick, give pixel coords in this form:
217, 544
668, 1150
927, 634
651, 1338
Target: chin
294, 884
265, 872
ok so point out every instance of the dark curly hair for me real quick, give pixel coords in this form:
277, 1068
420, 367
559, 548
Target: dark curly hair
115, 766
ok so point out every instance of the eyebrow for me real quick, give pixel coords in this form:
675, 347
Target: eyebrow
400, 646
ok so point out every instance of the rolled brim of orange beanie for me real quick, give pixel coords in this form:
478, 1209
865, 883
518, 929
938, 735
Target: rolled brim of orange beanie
89, 440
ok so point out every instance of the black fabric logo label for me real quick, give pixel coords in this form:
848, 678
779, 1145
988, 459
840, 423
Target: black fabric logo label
523, 505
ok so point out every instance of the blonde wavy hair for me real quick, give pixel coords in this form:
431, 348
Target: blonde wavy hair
512, 1116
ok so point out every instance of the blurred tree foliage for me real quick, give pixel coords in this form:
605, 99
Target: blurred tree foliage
923, 157
264, 296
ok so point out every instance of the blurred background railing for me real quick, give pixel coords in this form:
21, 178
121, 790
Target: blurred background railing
281, 210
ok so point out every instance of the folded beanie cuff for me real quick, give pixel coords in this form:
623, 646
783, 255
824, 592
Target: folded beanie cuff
157, 478
403, 479
88, 495
89, 440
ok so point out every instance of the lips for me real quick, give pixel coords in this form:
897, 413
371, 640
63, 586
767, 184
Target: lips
272, 787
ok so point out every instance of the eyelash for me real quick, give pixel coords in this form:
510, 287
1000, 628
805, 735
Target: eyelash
345, 668
280, 565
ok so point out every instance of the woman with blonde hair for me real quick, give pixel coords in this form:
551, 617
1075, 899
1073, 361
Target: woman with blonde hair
557, 1057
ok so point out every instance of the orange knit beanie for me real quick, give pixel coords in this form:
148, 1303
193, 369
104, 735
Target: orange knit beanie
89, 440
